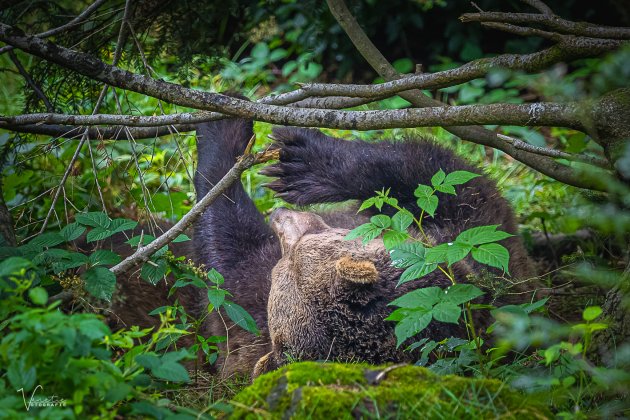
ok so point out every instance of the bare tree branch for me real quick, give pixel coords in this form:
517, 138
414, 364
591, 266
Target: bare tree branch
540, 6
552, 22
29, 80
383, 67
143, 253
97, 133
534, 114
72, 24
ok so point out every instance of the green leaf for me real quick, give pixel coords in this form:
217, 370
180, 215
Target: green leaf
446, 312
416, 271
437, 254
447, 189
260, 50
381, 221
482, 235
104, 257
402, 220
459, 177
93, 328
154, 270
367, 231
494, 255
367, 204
120, 225
98, 234
14, 265
100, 282
456, 252
406, 255
72, 231
414, 321
94, 219
38, 295
393, 238
146, 239
461, 293
438, 178
215, 277
171, 371
426, 200
181, 238
419, 298
216, 297
47, 240
240, 317
591, 313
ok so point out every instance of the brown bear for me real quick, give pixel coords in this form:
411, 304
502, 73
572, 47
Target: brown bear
314, 295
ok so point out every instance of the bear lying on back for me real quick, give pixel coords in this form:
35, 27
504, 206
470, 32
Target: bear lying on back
314, 295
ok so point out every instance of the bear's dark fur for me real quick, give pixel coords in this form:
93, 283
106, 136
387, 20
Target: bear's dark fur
312, 294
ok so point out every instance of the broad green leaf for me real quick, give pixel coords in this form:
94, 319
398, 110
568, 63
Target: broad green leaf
459, 177
72, 231
171, 371
427, 201
447, 189
94, 219
46, 240
14, 265
419, 298
461, 293
120, 225
482, 235
446, 312
93, 328
98, 234
381, 221
591, 313
393, 238
367, 231
181, 238
215, 277
216, 297
406, 255
416, 271
402, 220
104, 257
367, 204
100, 282
531, 307
38, 295
437, 254
457, 251
146, 239
438, 178
154, 270
240, 317
411, 323
494, 255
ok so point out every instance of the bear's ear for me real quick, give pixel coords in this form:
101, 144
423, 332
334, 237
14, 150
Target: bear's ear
356, 271
291, 225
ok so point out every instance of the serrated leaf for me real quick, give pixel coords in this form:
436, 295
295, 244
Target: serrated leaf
437, 254
427, 201
215, 277
216, 297
459, 177
104, 257
240, 317
381, 221
181, 238
393, 238
438, 178
72, 231
98, 234
447, 189
367, 204
456, 252
94, 219
461, 293
120, 225
416, 271
402, 220
419, 298
171, 371
446, 312
494, 255
406, 255
154, 270
482, 235
100, 282
412, 323
46, 240
359, 231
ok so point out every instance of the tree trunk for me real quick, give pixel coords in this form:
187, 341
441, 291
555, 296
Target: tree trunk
6, 221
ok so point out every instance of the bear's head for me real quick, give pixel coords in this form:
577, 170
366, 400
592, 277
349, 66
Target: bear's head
328, 297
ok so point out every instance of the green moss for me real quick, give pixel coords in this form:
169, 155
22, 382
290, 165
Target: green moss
335, 390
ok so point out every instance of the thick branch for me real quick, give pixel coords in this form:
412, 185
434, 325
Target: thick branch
375, 58
552, 22
534, 114
143, 253
99, 133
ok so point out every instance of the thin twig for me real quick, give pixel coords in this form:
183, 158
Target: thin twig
29, 80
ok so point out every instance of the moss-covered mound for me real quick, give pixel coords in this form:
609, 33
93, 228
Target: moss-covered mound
334, 391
